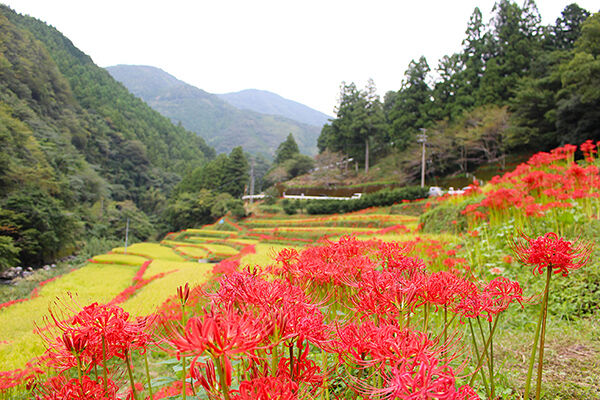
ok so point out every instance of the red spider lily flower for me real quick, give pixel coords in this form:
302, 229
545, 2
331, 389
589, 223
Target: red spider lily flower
266, 388
59, 388
421, 378
386, 344
75, 343
93, 333
304, 369
588, 148
355, 340
208, 380
442, 289
389, 292
472, 306
18, 377
500, 292
276, 302
220, 333
287, 257
550, 250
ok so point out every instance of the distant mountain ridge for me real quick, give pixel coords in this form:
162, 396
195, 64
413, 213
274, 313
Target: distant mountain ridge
266, 102
222, 125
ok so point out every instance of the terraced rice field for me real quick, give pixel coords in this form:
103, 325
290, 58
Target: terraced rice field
144, 275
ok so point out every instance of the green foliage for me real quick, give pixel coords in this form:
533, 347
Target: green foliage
360, 124
194, 209
445, 217
411, 105
223, 174
546, 75
298, 165
236, 173
9, 253
381, 198
286, 150
73, 141
38, 224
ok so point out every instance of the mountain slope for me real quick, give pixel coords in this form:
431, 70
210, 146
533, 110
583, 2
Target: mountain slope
266, 102
222, 125
77, 150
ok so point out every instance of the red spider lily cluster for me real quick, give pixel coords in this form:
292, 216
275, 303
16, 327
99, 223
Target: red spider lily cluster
359, 315
351, 317
86, 345
548, 182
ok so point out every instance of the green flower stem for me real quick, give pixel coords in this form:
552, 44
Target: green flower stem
222, 379
426, 322
473, 339
485, 352
325, 393
533, 353
538, 387
445, 323
291, 351
183, 321
489, 357
148, 375
105, 368
79, 368
130, 372
183, 391
492, 357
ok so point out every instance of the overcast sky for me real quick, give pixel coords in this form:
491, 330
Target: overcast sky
301, 50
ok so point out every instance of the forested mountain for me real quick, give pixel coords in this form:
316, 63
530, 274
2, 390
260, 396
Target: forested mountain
266, 102
78, 153
515, 86
222, 125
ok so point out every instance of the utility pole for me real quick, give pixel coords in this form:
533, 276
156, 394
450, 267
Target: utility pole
126, 234
252, 181
422, 138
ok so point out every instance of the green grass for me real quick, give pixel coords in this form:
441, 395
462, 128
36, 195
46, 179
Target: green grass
162, 266
220, 249
210, 232
195, 252
123, 259
151, 250
265, 254
156, 292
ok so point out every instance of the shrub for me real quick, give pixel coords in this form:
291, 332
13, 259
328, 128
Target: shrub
445, 217
381, 198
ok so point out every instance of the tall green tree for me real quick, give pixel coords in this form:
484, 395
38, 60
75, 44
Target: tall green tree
568, 27
578, 105
236, 173
411, 106
359, 126
286, 150
513, 42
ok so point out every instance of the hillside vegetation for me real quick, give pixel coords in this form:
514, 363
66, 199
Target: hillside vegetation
516, 86
79, 154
